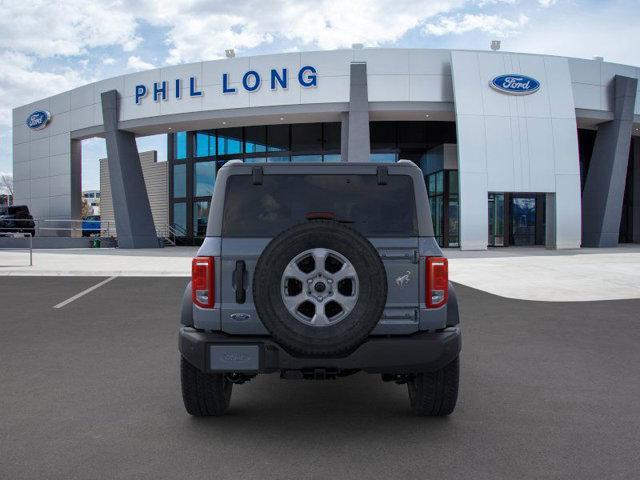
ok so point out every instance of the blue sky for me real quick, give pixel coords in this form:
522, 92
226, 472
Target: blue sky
47, 50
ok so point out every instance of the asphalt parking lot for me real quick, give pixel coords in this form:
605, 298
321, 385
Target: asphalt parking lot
91, 390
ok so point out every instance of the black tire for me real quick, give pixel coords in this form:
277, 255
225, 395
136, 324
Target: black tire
351, 331
204, 394
435, 394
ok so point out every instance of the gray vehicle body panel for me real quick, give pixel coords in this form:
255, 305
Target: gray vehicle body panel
405, 312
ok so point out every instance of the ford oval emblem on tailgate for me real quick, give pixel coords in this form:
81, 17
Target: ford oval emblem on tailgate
240, 316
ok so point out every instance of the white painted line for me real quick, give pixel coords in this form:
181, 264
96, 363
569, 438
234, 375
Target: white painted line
84, 292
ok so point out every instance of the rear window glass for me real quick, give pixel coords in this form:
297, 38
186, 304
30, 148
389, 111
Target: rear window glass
18, 210
282, 201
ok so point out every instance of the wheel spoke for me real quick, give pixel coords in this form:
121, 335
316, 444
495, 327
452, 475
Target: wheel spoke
346, 302
320, 318
293, 271
347, 271
292, 303
319, 258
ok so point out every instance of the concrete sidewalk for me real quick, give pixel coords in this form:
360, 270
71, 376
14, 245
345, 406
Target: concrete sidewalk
550, 275
155, 262
520, 273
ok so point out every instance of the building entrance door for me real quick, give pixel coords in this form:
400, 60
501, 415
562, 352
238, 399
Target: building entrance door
523, 220
516, 219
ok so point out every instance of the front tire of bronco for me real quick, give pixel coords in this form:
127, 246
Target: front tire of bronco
204, 394
434, 394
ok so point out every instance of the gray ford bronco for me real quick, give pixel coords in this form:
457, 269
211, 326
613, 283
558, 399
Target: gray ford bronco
319, 271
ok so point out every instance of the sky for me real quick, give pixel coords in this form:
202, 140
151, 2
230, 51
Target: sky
48, 47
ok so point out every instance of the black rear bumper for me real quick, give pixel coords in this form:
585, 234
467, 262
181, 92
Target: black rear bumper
420, 352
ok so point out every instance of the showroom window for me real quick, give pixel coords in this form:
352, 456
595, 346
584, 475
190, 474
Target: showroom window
200, 218
180, 145
255, 139
196, 156
180, 180
229, 141
205, 145
204, 177
180, 216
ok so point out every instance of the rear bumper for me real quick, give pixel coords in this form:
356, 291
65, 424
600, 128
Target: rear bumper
420, 352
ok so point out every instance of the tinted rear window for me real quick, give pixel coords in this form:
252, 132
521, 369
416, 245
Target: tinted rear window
20, 210
286, 200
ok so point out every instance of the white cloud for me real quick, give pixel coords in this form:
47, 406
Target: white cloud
21, 83
135, 63
66, 28
491, 24
108, 61
214, 26
589, 37
547, 3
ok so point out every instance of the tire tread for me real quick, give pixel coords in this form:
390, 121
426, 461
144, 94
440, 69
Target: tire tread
204, 394
435, 394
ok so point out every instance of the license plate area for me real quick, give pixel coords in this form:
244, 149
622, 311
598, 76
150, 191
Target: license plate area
234, 358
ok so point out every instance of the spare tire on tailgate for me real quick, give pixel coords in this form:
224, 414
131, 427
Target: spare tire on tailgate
320, 288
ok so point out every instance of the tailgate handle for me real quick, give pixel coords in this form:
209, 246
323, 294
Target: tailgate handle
238, 281
391, 255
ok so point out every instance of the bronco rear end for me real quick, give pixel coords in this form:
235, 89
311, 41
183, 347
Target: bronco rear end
319, 271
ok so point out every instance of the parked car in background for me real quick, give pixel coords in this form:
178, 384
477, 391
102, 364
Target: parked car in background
91, 225
17, 219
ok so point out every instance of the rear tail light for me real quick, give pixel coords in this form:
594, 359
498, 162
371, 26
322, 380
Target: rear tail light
202, 282
437, 281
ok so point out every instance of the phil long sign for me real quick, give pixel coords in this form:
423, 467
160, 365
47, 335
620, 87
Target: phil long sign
250, 81
515, 84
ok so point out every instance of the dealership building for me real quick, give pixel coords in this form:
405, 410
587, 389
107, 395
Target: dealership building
516, 149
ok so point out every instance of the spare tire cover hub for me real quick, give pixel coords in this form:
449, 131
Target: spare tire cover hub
319, 287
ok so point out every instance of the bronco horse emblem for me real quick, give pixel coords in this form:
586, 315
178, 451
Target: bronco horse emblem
403, 280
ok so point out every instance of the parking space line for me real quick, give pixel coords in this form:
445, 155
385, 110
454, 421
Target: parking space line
84, 292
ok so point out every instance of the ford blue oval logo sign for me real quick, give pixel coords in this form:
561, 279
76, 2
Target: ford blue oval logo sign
515, 84
38, 119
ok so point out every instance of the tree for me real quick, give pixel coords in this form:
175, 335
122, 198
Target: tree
86, 208
6, 186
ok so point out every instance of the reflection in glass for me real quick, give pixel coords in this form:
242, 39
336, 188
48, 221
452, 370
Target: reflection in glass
200, 217
496, 220
334, 157
204, 177
229, 141
180, 216
255, 139
306, 158
205, 144
180, 180
383, 157
180, 146
277, 159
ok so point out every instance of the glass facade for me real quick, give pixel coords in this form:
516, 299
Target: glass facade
442, 187
196, 156
516, 219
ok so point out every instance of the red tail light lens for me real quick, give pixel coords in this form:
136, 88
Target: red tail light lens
202, 282
437, 281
